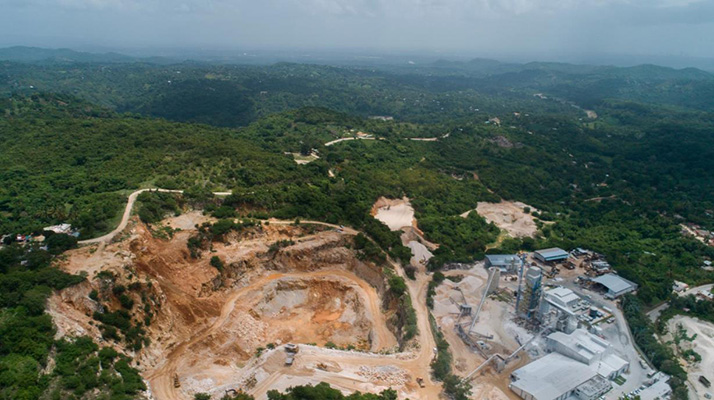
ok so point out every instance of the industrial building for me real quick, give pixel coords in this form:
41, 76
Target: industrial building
578, 367
529, 291
658, 391
507, 263
615, 285
494, 276
589, 349
558, 309
564, 299
551, 255
555, 377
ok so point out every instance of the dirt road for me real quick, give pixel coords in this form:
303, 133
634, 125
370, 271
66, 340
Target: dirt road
348, 139
127, 213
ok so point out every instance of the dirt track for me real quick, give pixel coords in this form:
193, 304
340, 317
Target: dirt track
127, 214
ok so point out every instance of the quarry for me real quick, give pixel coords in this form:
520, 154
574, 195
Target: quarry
217, 329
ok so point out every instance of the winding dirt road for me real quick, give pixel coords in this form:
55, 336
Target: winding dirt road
127, 214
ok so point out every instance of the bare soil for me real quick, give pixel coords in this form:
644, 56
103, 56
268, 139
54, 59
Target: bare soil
395, 213
703, 344
208, 323
508, 216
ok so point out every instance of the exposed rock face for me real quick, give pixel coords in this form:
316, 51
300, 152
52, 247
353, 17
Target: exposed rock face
311, 289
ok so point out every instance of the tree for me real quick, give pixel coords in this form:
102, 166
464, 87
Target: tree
217, 263
60, 242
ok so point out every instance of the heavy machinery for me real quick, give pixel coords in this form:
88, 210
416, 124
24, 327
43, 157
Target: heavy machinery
420, 382
177, 382
292, 350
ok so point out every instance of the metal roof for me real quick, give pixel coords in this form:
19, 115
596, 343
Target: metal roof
581, 342
564, 295
615, 283
503, 259
659, 390
554, 252
552, 376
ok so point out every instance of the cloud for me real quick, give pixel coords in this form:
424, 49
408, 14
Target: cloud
488, 25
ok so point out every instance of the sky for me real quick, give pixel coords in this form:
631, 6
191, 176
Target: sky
532, 28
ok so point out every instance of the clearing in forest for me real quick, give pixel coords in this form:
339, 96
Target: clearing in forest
509, 216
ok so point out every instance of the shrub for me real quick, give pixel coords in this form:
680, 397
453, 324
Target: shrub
217, 263
397, 285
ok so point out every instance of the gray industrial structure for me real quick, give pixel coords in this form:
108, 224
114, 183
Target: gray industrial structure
551, 255
507, 263
494, 276
578, 367
616, 285
529, 292
559, 308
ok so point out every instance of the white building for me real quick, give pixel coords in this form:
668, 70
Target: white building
564, 299
660, 390
559, 307
61, 228
553, 377
578, 368
589, 349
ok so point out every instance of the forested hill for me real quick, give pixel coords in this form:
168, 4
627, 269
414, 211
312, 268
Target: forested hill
620, 185
37, 55
234, 95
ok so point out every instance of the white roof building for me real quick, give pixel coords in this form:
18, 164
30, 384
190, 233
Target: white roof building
660, 390
559, 307
553, 377
589, 349
578, 367
563, 298
61, 228
615, 284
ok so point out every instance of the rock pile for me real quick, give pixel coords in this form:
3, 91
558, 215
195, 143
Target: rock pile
386, 374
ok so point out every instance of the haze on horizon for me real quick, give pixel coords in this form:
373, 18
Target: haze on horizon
539, 29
